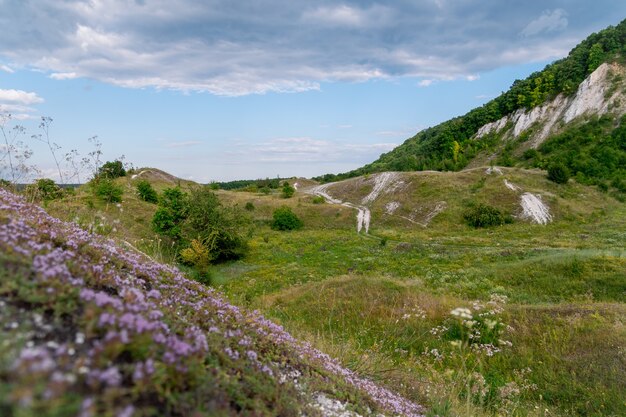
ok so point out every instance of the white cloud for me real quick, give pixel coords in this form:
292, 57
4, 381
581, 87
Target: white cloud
6, 68
472, 77
425, 83
549, 21
19, 97
63, 75
237, 48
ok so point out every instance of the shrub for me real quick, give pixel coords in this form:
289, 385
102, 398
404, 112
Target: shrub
44, 189
249, 206
221, 229
171, 212
288, 190
483, 215
112, 170
286, 219
318, 199
146, 192
107, 190
558, 173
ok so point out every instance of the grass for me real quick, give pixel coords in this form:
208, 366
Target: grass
373, 305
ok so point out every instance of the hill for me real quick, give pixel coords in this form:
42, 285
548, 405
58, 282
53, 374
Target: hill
543, 113
91, 329
378, 301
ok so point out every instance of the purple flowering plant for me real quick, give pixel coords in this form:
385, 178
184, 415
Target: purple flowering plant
90, 329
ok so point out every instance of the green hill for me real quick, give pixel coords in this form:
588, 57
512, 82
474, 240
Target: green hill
453, 145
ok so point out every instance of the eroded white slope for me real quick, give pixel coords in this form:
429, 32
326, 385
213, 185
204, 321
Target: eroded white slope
593, 97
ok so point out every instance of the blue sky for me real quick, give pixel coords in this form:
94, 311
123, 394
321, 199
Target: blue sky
221, 90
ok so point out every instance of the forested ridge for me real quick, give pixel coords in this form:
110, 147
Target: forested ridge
448, 146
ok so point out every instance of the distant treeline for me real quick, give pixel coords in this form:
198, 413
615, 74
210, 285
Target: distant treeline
272, 183
447, 146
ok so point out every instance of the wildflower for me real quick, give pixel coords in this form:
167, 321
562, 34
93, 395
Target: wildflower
461, 312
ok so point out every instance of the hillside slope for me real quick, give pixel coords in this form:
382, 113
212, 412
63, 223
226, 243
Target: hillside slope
438, 200
93, 330
585, 85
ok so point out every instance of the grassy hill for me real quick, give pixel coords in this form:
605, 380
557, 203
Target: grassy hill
381, 302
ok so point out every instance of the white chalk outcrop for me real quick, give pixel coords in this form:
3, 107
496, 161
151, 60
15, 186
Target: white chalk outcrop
593, 97
534, 209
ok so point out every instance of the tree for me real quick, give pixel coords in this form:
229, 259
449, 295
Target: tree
107, 190
288, 190
146, 192
218, 228
171, 212
112, 170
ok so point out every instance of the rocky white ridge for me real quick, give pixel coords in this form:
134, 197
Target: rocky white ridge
593, 97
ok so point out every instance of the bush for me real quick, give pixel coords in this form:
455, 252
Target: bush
288, 190
107, 190
483, 215
249, 206
146, 192
221, 229
44, 189
286, 219
112, 170
318, 199
171, 212
558, 173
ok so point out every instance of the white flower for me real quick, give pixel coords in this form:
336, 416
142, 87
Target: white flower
461, 312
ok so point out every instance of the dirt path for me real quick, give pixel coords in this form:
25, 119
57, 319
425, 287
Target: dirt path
363, 215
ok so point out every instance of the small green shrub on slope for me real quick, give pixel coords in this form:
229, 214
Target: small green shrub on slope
147, 192
558, 173
483, 215
285, 219
107, 190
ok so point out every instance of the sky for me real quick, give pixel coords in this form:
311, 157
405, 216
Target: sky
218, 90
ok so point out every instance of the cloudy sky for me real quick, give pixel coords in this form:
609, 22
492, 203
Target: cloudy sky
219, 89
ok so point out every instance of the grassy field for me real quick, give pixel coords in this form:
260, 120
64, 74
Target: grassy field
545, 333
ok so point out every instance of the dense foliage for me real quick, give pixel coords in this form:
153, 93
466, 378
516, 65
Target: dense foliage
482, 215
112, 170
594, 153
285, 219
146, 192
287, 191
44, 189
107, 190
171, 212
199, 222
558, 173
273, 183
447, 146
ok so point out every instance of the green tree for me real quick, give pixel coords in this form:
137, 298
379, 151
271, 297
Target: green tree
112, 170
596, 57
146, 192
171, 212
107, 190
288, 190
221, 229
